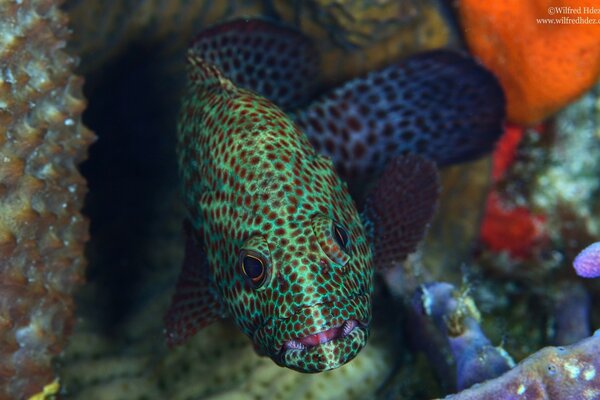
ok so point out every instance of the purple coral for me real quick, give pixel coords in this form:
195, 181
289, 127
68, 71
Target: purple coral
476, 358
571, 305
457, 318
587, 262
558, 373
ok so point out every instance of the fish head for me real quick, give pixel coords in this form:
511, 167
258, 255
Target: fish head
305, 300
321, 293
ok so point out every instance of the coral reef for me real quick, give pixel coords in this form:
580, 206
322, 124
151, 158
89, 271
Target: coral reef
543, 61
41, 193
229, 369
557, 373
218, 363
104, 30
454, 231
355, 37
458, 320
378, 34
570, 312
528, 296
541, 210
518, 238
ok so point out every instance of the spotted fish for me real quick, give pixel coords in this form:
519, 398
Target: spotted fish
274, 239
441, 104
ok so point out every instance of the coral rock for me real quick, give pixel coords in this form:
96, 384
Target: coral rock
354, 37
557, 373
542, 58
41, 192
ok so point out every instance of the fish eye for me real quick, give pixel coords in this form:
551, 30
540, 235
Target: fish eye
333, 238
341, 236
254, 268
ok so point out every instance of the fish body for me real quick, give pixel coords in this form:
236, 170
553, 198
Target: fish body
274, 239
285, 245
440, 104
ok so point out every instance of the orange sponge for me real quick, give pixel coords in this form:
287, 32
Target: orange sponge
544, 52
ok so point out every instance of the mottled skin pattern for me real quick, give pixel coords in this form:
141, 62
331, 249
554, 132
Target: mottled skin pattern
254, 185
440, 104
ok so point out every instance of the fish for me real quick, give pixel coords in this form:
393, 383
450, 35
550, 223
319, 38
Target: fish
441, 104
274, 239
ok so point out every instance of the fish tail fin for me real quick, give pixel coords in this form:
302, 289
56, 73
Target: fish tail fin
276, 61
441, 104
399, 208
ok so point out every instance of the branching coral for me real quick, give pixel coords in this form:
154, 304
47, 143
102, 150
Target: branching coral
41, 192
458, 321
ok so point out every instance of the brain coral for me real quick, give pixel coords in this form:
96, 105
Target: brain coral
41, 192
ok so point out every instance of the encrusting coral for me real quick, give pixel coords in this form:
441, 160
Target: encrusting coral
41, 192
354, 37
557, 373
544, 200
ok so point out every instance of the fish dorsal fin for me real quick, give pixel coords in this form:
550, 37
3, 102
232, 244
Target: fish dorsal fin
276, 61
195, 303
399, 208
205, 74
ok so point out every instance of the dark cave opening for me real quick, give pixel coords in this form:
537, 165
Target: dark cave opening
132, 108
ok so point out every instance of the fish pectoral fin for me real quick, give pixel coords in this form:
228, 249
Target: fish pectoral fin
195, 303
400, 207
276, 61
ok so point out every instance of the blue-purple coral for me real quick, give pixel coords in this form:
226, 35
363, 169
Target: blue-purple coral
457, 318
587, 263
557, 373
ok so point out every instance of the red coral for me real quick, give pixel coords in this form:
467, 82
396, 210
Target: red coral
506, 148
514, 229
505, 151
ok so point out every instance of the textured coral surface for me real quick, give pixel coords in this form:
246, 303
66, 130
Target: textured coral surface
353, 36
554, 373
41, 192
135, 57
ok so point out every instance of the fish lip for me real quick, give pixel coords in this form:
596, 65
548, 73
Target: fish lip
266, 337
338, 332
327, 302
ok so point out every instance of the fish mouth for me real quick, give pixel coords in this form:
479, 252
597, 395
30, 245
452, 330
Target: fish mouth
325, 350
318, 337
334, 333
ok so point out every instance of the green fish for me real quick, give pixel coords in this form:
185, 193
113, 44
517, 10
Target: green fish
274, 239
